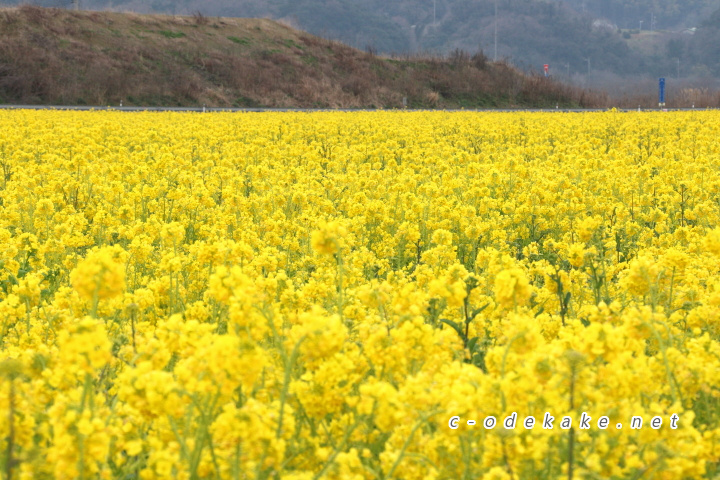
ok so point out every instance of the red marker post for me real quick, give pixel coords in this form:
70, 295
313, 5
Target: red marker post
547, 68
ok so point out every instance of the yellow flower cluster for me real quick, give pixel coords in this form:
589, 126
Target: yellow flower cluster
101, 274
305, 296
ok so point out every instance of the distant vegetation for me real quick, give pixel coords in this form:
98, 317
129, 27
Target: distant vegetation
50, 56
664, 14
704, 47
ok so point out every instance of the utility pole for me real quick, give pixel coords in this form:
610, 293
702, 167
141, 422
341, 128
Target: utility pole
678, 72
495, 57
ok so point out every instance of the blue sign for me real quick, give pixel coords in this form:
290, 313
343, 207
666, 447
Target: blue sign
662, 92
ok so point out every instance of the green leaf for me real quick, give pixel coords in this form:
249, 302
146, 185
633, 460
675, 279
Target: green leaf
479, 361
471, 283
477, 311
454, 325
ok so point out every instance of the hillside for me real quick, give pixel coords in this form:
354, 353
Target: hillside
97, 58
681, 54
530, 32
580, 39
655, 14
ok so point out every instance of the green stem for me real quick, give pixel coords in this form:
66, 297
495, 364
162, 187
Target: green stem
9, 460
286, 384
407, 443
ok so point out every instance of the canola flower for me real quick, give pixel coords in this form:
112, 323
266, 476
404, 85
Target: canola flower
293, 296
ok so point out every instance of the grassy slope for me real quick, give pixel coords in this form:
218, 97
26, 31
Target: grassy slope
530, 32
63, 57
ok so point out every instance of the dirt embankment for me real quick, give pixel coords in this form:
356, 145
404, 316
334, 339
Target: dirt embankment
53, 56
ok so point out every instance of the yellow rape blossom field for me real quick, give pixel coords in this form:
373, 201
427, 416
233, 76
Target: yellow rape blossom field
325, 296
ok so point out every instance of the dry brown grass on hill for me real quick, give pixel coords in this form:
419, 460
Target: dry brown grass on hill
684, 98
66, 57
